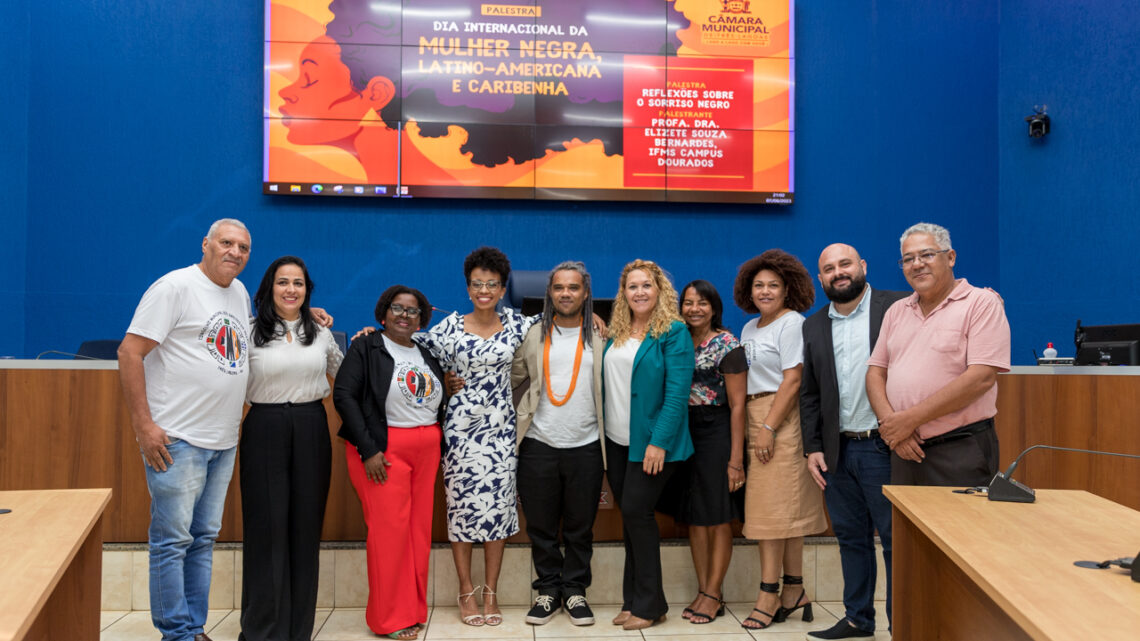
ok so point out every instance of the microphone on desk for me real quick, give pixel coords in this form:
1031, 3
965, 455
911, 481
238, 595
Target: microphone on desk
55, 352
1003, 488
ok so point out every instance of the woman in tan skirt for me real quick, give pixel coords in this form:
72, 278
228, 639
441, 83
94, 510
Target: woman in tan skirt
782, 504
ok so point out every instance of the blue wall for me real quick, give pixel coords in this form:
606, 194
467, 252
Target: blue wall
144, 125
1068, 204
13, 172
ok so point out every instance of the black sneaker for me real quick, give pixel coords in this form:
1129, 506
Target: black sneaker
544, 608
579, 611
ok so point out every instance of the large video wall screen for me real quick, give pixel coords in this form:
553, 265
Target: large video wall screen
656, 100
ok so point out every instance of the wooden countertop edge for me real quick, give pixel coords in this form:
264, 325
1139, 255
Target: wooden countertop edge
29, 618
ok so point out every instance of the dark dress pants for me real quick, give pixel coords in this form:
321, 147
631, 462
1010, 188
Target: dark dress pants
560, 488
286, 460
857, 507
964, 457
637, 493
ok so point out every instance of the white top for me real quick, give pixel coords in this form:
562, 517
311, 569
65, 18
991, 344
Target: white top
618, 366
196, 376
771, 350
283, 371
414, 393
574, 423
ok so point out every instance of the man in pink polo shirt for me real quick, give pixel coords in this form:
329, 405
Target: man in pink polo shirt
932, 377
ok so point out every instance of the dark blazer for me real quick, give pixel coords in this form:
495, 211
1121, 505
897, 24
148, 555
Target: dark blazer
361, 390
819, 390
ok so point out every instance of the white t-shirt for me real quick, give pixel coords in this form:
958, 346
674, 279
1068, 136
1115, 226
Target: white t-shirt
771, 350
619, 383
196, 376
414, 393
574, 423
283, 371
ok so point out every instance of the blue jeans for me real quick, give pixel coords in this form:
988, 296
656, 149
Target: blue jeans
857, 507
186, 503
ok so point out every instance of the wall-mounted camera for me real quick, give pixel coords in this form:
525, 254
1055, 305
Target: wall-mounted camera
1038, 122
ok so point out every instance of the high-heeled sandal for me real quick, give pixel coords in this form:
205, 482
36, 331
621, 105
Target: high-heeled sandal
782, 613
494, 618
688, 612
476, 619
705, 618
770, 588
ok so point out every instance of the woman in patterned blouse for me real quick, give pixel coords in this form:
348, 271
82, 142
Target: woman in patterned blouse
709, 499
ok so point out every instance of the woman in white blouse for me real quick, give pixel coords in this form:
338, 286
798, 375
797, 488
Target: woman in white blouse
286, 456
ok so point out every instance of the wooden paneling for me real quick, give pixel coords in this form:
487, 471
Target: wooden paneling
1080, 411
70, 429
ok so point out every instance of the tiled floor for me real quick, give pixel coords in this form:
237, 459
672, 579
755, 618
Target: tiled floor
347, 624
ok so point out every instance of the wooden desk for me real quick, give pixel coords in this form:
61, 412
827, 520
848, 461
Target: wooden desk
968, 568
51, 559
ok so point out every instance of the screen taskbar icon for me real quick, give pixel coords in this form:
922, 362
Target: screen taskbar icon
339, 189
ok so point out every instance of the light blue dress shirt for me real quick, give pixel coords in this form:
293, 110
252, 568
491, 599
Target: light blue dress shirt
851, 337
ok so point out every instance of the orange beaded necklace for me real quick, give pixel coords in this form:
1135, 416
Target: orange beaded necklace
546, 371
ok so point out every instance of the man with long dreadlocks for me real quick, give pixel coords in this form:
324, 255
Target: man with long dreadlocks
561, 460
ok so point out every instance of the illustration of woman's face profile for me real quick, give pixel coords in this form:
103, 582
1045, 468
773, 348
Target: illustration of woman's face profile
323, 106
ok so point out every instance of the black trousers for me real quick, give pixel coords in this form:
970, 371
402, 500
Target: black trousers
643, 592
286, 460
560, 488
964, 457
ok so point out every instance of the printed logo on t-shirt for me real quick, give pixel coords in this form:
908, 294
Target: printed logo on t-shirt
749, 350
419, 387
226, 341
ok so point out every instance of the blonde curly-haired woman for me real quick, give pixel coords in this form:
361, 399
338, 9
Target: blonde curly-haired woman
648, 370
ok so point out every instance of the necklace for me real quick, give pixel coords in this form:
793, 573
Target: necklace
546, 371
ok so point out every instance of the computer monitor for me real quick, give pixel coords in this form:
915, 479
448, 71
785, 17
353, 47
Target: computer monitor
1107, 344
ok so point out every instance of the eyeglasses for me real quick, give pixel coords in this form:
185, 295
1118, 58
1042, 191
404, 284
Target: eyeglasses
921, 257
490, 285
400, 310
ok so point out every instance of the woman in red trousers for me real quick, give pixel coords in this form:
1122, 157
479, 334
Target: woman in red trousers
390, 397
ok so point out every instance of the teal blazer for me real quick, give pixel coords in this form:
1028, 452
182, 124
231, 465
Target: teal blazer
659, 403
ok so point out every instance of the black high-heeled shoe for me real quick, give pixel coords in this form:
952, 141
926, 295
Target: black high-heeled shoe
782, 613
771, 588
705, 618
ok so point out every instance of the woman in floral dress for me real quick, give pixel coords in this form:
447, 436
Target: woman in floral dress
479, 433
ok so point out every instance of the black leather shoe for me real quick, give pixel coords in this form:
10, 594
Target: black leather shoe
841, 630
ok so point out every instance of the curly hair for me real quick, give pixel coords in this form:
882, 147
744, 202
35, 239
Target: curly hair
664, 313
490, 259
800, 292
390, 294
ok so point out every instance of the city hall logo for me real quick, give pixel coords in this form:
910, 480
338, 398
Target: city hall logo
735, 26
735, 6
226, 341
417, 386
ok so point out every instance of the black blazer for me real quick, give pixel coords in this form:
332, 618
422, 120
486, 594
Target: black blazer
819, 389
361, 390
